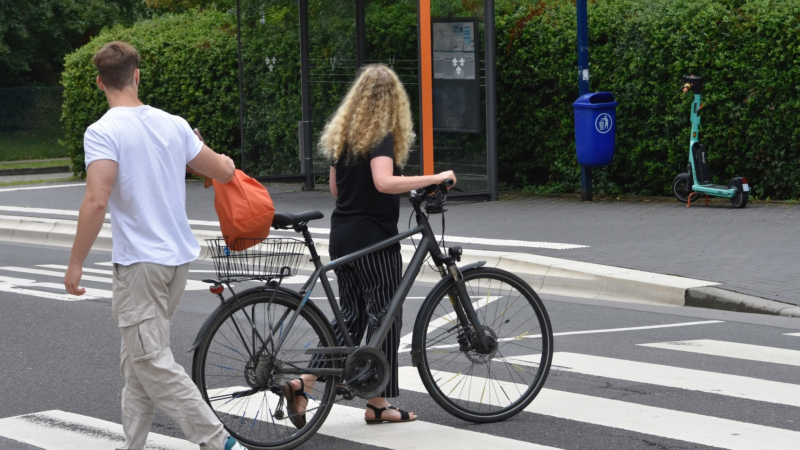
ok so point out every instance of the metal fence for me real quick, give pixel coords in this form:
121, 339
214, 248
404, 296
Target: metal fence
30, 115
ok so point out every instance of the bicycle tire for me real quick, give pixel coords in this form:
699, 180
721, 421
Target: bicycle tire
224, 367
485, 388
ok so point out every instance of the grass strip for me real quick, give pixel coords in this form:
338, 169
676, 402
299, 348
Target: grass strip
53, 180
35, 164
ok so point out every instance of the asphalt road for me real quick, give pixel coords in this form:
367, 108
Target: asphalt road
712, 379
751, 251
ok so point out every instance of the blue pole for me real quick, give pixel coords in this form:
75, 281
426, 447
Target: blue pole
583, 84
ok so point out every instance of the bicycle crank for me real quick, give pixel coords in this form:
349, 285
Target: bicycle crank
367, 372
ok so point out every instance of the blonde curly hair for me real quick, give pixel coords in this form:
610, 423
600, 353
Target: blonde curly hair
376, 105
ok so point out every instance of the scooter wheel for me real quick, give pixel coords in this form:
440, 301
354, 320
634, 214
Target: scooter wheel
740, 199
682, 187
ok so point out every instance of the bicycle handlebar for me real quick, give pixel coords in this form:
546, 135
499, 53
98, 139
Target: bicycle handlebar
425, 191
435, 195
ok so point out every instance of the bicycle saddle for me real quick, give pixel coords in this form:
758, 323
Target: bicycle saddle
286, 220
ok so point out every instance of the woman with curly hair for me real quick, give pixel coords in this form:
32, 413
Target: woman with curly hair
367, 141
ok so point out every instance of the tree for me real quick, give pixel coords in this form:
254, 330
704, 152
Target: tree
35, 35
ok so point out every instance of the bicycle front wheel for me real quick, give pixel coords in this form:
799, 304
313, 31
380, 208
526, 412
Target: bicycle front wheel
237, 373
485, 387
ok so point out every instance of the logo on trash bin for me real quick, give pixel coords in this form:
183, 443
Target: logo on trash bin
603, 123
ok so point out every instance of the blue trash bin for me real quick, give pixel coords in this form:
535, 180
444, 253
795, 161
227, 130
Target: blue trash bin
595, 128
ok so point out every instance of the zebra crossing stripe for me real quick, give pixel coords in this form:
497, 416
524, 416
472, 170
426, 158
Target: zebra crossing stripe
44, 294
347, 423
407, 339
733, 350
676, 377
191, 285
667, 423
59, 430
85, 269
50, 273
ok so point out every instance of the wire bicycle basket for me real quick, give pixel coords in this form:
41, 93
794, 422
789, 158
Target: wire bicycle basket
261, 259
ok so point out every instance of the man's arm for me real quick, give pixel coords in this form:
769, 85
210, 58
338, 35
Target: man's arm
213, 165
100, 177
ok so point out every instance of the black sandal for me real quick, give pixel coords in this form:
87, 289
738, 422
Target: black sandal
299, 421
404, 416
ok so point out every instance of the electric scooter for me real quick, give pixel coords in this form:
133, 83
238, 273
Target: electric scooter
687, 187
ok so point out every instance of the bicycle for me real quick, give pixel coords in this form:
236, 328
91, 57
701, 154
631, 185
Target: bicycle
482, 341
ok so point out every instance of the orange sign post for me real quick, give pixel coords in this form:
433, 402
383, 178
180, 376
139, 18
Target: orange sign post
426, 86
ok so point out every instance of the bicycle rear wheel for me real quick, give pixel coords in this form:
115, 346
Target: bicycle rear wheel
485, 387
237, 375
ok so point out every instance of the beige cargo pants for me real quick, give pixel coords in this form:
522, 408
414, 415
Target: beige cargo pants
145, 297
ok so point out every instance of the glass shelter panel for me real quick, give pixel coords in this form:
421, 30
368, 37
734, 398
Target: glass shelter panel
459, 92
271, 81
270, 86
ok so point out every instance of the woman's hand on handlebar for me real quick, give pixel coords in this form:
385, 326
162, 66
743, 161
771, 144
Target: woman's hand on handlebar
447, 174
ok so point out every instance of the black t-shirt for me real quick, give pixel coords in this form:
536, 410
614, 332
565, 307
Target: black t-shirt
363, 216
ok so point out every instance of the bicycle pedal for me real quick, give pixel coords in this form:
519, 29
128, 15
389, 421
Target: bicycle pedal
345, 391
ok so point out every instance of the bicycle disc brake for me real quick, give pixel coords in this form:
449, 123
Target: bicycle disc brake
366, 372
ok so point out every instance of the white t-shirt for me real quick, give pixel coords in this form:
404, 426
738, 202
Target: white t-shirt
148, 202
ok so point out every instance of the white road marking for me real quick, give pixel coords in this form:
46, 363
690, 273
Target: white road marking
59, 430
191, 285
792, 334
485, 241
73, 213
674, 377
215, 224
647, 327
42, 294
85, 269
667, 423
50, 273
406, 340
20, 285
41, 187
347, 422
733, 350
573, 333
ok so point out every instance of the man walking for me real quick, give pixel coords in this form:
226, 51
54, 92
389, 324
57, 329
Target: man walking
136, 158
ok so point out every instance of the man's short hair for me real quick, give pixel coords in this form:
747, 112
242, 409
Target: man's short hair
116, 63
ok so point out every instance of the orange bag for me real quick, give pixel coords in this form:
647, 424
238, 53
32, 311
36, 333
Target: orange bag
245, 210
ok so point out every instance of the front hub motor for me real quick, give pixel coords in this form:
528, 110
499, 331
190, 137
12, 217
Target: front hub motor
473, 354
367, 372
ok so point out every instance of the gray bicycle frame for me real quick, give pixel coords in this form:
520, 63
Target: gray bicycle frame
427, 245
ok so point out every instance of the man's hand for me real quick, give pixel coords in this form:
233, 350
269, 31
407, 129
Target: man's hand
73, 278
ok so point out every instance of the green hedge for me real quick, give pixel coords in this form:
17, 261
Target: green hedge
188, 67
272, 99
746, 50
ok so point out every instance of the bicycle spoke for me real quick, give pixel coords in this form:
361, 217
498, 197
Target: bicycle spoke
241, 370
485, 386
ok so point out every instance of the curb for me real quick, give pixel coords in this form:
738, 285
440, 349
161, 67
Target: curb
35, 171
715, 298
545, 274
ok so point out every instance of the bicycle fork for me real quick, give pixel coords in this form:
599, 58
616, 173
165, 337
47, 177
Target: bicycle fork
476, 336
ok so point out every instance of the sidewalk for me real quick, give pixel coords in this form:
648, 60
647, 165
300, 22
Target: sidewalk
659, 251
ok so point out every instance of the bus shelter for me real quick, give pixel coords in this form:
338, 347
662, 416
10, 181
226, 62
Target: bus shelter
302, 55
